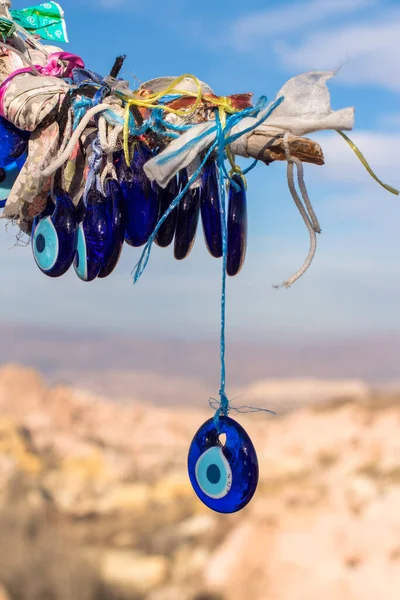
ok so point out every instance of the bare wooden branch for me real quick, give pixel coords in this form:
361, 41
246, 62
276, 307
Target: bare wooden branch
266, 144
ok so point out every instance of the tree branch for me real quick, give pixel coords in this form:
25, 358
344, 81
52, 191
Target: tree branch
266, 144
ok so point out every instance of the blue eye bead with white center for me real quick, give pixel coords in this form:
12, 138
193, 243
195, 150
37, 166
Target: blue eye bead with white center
91, 237
224, 478
53, 237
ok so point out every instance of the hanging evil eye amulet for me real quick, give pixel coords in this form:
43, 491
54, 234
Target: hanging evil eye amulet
53, 235
224, 476
100, 235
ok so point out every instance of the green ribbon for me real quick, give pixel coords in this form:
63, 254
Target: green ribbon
7, 28
46, 20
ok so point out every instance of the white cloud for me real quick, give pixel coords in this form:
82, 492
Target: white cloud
390, 119
318, 34
371, 49
248, 30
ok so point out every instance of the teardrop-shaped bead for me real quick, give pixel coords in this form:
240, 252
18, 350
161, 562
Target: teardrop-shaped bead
14, 142
224, 476
237, 227
53, 237
187, 220
115, 218
91, 237
166, 233
141, 201
211, 210
124, 172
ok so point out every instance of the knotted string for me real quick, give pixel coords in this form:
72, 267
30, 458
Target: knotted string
80, 108
223, 406
306, 211
144, 258
223, 409
95, 162
231, 121
224, 140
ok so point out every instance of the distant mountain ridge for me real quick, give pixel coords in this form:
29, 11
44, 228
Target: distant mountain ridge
187, 372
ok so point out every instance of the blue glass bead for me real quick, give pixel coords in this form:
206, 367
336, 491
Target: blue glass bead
124, 172
166, 233
8, 176
237, 227
211, 210
81, 76
141, 201
225, 477
13, 142
187, 220
53, 237
91, 237
115, 217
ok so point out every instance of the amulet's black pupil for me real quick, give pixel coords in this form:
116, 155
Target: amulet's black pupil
40, 243
213, 474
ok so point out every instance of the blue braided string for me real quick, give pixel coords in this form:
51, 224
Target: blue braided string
221, 142
144, 259
231, 121
80, 108
223, 408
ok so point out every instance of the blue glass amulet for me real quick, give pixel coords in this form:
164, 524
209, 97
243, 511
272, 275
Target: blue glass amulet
91, 237
53, 234
115, 220
141, 200
211, 210
8, 176
225, 477
237, 227
14, 142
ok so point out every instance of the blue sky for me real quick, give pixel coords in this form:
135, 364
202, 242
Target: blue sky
353, 287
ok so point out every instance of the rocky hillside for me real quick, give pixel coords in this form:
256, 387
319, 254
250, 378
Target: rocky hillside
96, 504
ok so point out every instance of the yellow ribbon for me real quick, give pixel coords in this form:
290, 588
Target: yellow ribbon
364, 162
126, 135
151, 102
235, 169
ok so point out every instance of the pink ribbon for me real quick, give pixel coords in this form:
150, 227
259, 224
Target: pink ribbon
53, 68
